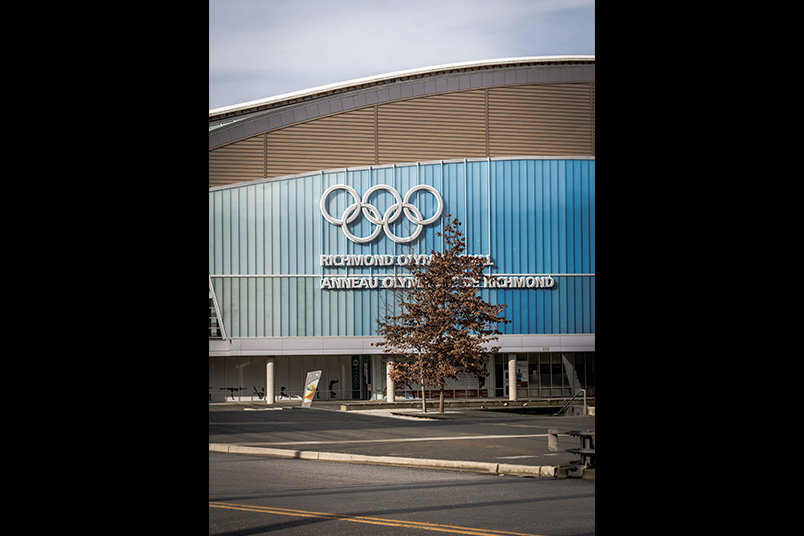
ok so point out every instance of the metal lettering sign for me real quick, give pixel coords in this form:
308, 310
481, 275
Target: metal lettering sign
392, 280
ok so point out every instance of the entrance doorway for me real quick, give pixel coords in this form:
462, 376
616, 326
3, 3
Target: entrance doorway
343, 377
546, 374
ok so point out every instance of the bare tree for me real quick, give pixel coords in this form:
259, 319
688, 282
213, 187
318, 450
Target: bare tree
443, 325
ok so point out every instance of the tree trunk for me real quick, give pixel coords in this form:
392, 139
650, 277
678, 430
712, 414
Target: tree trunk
441, 399
421, 382
424, 402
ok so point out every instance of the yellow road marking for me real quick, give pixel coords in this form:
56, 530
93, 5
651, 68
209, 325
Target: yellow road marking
369, 520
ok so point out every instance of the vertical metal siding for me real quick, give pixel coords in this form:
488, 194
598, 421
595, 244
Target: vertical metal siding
549, 230
542, 222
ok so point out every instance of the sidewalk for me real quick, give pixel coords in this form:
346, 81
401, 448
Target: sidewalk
496, 440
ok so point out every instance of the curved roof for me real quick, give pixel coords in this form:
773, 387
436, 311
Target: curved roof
230, 113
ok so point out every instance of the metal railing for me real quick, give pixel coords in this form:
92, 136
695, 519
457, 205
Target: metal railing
570, 403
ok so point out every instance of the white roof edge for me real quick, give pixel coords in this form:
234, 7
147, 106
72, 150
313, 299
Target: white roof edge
386, 76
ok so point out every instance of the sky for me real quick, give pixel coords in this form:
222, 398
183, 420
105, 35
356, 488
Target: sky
263, 48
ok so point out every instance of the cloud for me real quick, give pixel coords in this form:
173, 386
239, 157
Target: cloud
265, 48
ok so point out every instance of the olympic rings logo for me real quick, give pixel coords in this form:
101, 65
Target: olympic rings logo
371, 212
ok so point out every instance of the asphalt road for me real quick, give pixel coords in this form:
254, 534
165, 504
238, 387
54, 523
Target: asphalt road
470, 436
253, 495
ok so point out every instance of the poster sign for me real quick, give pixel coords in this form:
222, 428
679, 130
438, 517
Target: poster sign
522, 374
310, 385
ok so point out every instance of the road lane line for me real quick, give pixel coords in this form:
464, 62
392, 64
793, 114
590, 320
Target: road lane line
369, 520
396, 440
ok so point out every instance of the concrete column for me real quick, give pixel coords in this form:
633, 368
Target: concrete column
269, 380
512, 377
389, 385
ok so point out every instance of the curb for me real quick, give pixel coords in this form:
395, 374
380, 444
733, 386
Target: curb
549, 471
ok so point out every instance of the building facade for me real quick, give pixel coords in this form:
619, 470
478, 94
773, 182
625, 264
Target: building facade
318, 199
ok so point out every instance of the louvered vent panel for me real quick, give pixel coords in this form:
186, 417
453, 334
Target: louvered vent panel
545, 119
593, 118
238, 162
441, 126
341, 140
525, 120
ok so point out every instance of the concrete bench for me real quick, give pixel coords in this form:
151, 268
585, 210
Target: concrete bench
587, 447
